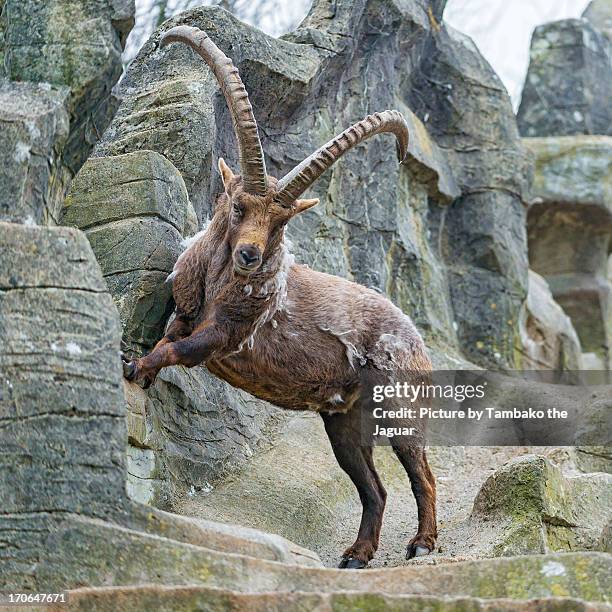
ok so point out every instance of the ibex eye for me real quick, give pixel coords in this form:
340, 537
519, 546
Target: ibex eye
237, 209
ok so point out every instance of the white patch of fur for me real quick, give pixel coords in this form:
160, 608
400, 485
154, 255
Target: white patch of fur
274, 323
186, 244
335, 399
352, 352
275, 290
394, 352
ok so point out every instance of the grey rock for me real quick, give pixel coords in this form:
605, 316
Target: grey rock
569, 82
202, 429
594, 459
2, 28
112, 188
74, 44
570, 229
574, 169
134, 209
549, 340
534, 508
62, 440
599, 14
34, 122
467, 111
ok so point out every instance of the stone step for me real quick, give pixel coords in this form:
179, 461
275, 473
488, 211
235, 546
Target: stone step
95, 553
164, 598
221, 537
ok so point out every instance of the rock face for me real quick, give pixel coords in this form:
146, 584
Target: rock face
134, 210
67, 521
569, 82
570, 233
548, 337
188, 431
63, 434
34, 122
438, 235
459, 270
599, 14
59, 367
73, 44
536, 509
62, 443
566, 103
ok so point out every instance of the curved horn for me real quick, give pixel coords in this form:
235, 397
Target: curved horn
292, 185
252, 164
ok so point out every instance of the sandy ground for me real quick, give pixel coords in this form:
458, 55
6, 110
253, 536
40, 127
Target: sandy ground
296, 489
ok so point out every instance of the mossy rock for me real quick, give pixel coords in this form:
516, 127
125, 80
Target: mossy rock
34, 120
78, 45
533, 507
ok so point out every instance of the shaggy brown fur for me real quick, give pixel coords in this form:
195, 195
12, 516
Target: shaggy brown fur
300, 339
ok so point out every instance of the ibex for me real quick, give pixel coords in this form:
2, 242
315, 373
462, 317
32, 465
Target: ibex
300, 339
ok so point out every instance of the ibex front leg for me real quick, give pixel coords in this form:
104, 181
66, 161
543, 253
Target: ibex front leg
190, 351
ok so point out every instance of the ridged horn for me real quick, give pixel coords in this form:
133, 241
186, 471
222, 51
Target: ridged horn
293, 184
252, 164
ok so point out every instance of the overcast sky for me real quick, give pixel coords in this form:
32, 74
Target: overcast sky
501, 28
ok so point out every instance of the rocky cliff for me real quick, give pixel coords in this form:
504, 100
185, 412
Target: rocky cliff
445, 236
566, 115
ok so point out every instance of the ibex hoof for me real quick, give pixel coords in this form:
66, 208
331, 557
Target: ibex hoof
129, 370
351, 563
414, 550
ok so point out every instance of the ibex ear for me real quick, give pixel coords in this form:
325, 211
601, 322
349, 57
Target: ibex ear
302, 205
226, 174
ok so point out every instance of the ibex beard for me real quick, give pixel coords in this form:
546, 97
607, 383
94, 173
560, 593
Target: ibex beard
300, 339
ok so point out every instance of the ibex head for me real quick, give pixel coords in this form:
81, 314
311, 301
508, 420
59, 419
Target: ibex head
255, 222
259, 205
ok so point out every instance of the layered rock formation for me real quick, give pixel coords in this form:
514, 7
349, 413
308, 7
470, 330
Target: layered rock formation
44, 44
72, 50
135, 212
570, 231
67, 522
566, 112
35, 127
443, 236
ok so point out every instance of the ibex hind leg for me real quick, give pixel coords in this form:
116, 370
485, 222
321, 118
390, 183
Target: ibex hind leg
356, 460
423, 483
